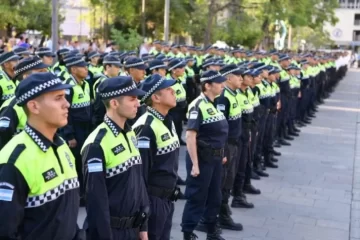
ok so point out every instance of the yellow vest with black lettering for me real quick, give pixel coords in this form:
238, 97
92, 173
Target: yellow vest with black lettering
208, 111
179, 90
7, 86
246, 106
81, 97
189, 71
22, 118
97, 83
160, 130
265, 90
235, 109
120, 155
254, 98
294, 82
33, 163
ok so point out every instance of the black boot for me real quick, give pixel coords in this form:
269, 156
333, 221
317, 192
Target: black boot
190, 236
248, 188
239, 200
225, 220
255, 175
268, 162
275, 153
203, 227
259, 170
284, 143
273, 159
213, 233
181, 196
293, 133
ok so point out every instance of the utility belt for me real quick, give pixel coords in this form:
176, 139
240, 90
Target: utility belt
135, 221
233, 141
206, 152
164, 193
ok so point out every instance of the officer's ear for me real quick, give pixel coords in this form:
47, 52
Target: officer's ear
32, 107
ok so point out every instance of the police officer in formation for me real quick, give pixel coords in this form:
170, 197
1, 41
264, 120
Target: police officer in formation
206, 135
12, 116
38, 180
159, 148
116, 197
246, 104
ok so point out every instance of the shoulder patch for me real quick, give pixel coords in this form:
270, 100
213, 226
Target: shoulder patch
49, 174
95, 165
165, 137
193, 115
143, 142
4, 122
220, 107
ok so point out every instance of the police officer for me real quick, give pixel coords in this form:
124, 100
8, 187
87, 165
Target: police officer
295, 90
93, 70
135, 67
12, 116
176, 68
285, 94
159, 148
46, 55
157, 66
8, 61
22, 52
239, 200
79, 118
59, 66
228, 103
38, 182
112, 67
116, 198
207, 133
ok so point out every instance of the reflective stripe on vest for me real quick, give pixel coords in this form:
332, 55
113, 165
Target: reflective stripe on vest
20, 114
245, 104
8, 87
234, 109
81, 98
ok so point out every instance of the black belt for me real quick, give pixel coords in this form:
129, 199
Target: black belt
218, 152
160, 192
123, 223
233, 141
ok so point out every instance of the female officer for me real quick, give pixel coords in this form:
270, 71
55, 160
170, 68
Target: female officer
206, 135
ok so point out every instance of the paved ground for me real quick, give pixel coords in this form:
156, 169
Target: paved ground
315, 193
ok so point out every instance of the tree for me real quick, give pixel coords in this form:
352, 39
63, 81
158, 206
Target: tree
126, 41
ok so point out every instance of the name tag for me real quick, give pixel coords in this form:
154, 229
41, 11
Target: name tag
118, 149
193, 115
4, 123
165, 137
220, 107
49, 175
6, 195
143, 144
95, 167
81, 95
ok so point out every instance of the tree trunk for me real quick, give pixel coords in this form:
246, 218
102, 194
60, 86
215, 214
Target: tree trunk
208, 30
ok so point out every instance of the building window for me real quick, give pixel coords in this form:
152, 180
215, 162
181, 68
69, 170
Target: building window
356, 35
352, 4
357, 20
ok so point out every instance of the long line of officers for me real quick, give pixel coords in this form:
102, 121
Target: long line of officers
106, 134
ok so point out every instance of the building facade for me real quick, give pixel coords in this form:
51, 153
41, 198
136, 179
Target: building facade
346, 32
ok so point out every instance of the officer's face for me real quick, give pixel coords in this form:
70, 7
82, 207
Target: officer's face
216, 88
179, 72
80, 72
247, 80
272, 77
236, 81
265, 73
95, 60
47, 60
11, 64
166, 97
51, 102
137, 74
127, 106
162, 72
256, 79
113, 71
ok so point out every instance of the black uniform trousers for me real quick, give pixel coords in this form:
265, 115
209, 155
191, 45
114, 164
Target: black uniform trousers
243, 155
203, 194
261, 133
177, 115
160, 220
81, 132
229, 169
284, 113
269, 133
293, 107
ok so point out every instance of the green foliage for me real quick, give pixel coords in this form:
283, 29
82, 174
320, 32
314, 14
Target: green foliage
126, 41
315, 38
26, 15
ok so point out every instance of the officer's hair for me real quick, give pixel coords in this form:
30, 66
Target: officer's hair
107, 64
26, 110
149, 102
202, 84
106, 102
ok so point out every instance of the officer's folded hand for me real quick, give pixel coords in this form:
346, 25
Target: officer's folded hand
224, 160
195, 171
72, 143
143, 236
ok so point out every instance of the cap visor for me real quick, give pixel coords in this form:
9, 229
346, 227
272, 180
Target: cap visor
135, 92
167, 83
218, 80
41, 65
142, 67
59, 87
